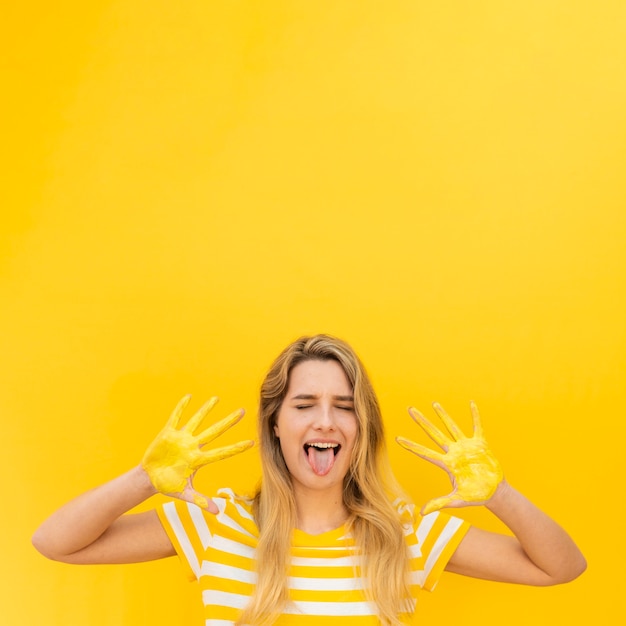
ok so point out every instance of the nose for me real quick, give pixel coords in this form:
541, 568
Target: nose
324, 419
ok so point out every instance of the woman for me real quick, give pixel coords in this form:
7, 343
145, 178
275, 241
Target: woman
328, 533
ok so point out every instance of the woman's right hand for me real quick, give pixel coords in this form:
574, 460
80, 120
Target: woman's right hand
176, 454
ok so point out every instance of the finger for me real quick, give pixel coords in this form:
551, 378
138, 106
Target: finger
195, 420
455, 432
174, 419
191, 495
439, 503
222, 453
478, 426
421, 451
220, 427
429, 428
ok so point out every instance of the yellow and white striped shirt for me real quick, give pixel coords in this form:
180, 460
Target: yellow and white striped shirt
219, 551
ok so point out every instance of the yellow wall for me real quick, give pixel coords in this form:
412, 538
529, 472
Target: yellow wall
193, 184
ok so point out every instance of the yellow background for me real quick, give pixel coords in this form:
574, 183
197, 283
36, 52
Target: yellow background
188, 186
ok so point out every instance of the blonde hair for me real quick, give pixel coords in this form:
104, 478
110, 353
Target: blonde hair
368, 491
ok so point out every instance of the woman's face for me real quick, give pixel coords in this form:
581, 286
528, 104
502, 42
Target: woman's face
317, 425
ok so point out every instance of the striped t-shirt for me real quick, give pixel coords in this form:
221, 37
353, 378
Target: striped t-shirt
219, 551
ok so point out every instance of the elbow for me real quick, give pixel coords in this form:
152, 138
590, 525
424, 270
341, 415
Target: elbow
570, 572
45, 546
577, 569
41, 545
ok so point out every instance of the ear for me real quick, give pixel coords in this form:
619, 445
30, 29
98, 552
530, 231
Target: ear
276, 431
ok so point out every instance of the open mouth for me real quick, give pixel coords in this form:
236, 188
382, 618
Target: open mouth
321, 456
323, 446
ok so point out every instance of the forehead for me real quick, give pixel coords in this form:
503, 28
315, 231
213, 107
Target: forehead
318, 377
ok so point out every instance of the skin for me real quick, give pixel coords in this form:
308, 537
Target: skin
173, 458
95, 526
318, 407
539, 553
474, 471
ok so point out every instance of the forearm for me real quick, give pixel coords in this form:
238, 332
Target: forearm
544, 542
83, 520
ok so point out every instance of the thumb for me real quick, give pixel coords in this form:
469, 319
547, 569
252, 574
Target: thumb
438, 503
195, 497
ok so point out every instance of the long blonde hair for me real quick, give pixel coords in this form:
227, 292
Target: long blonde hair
368, 491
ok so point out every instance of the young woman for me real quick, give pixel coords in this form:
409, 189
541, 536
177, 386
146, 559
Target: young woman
329, 534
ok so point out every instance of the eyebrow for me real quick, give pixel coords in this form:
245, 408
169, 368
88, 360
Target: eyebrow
311, 396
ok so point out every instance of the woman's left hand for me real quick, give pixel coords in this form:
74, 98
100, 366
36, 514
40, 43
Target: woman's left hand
472, 467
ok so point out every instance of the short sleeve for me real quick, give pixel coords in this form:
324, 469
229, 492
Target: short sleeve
197, 534
188, 529
432, 540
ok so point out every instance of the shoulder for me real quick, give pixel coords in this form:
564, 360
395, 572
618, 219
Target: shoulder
197, 535
234, 512
426, 531
413, 520
431, 541
233, 505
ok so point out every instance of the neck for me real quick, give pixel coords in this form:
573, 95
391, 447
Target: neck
319, 511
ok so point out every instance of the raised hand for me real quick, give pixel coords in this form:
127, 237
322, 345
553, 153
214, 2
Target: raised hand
474, 471
176, 454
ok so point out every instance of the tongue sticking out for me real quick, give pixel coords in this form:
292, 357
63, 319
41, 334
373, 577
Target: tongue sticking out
321, 460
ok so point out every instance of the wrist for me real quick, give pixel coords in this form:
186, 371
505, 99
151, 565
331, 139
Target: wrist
500, 495
141, 481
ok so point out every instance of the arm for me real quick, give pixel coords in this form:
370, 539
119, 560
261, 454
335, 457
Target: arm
93, 528
539, 553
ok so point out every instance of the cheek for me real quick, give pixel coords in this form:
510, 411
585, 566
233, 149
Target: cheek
278, 420
352, 429
283, 436
355, 436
